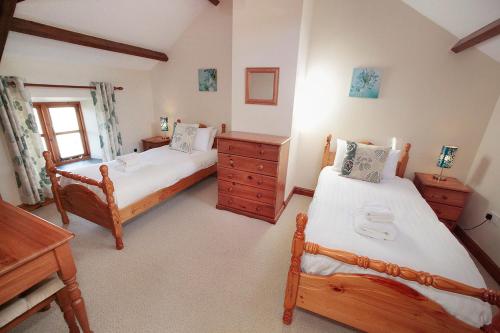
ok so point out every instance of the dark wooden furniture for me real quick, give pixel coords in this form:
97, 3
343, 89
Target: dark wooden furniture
80, 200
374, 303
447, 198
154, 142
252, 173
31, 250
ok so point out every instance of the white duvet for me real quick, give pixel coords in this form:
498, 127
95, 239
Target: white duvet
422, 243
159, 168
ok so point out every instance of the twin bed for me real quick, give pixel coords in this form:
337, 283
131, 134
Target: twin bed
349, 286
121, 195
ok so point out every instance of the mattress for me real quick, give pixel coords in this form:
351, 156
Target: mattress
423, 243
160, 167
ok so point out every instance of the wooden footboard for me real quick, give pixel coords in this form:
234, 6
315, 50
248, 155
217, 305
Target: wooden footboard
373, 303
81, 201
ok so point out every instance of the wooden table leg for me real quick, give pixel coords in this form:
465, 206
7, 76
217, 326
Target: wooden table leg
64, 302
67, 273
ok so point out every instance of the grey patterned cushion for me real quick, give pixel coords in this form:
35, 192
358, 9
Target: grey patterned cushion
364, 162
183, 137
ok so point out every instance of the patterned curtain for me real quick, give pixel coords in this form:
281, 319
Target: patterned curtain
107, 121
24, 142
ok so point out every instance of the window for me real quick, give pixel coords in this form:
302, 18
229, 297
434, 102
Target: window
62, 131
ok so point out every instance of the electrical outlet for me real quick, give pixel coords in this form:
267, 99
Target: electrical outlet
495, 218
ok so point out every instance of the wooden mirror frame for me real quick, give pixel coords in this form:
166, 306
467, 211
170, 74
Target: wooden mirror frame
272, 70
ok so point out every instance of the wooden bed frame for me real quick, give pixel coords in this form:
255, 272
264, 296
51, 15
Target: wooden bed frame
81, 201
370, 302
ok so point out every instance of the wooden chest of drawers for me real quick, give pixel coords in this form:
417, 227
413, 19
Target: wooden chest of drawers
447, 198
251, 174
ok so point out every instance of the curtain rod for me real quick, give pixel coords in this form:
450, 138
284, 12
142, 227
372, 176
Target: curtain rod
42, 85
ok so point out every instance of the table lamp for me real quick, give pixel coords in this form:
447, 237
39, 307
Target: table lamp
164, 125
445, 160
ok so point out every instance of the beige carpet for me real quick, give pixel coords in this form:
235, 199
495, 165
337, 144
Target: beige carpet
186, 267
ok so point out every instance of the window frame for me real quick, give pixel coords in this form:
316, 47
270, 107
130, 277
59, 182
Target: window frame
49, 135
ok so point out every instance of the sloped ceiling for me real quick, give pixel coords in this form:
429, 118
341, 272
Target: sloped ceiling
462, 17
152, 24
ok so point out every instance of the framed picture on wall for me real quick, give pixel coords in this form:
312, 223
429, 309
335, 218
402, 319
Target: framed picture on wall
207, 79
365, 82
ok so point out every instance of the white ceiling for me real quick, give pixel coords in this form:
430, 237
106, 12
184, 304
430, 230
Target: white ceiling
462, 17
152, 24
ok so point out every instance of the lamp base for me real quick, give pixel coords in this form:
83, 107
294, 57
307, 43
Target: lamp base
439, 178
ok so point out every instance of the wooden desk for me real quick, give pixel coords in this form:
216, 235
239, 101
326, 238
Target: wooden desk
31, 250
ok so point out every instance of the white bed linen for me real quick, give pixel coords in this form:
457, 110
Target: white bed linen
422, 243
160, 167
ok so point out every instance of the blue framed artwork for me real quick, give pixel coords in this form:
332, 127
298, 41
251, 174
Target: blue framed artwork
207, 79
365, 82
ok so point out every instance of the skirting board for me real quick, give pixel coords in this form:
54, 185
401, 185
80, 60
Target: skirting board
301, 191
481, 256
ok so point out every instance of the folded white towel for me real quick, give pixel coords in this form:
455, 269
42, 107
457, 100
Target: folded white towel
129, 160
383, 231
376, 212
127, 168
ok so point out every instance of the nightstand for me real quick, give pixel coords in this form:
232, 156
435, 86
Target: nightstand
154, 142
447, 197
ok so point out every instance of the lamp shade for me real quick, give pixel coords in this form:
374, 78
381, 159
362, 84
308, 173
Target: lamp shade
447, 156
164, 124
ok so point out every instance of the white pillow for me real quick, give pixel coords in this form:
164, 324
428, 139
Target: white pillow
391, 164
203, 139
340, 155
212, 138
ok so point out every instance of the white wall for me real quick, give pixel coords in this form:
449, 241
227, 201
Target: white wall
484, 178
205, 44
134, 103
429, 96
265, 34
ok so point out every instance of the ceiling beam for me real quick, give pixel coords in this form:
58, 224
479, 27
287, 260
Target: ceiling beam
47, 31
486, 32
7, 8
214, 2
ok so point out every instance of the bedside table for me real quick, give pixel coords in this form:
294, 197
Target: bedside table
447, 198
154, 142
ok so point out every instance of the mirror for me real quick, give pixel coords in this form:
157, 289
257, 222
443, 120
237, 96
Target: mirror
262, 85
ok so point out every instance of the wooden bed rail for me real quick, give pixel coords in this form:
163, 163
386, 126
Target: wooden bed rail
423, 278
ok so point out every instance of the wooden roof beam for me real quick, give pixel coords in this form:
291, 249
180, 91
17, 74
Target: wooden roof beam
7, 8
485, 33
47, 31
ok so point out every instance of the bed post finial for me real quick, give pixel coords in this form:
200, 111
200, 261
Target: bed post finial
50, 168
292, 284
178, 120
223, 128
108, 189
327, 155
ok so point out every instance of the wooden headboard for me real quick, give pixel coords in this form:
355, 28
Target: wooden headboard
222, 130
329, 156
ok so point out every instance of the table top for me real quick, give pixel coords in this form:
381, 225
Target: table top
255, 137
24, 237
449, 184
157, 139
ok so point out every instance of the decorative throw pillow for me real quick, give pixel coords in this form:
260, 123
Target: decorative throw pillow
202, 139
364, 162
340, 155
183, 137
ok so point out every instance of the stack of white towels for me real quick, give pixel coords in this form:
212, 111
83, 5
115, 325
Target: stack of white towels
128, 162
375, 220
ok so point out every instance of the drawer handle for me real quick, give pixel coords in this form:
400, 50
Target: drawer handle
259, 182
258, 208
261, 152
230, 176
260, 167
444, 197
259, 195
250, 177
231, 162
229, 147
230, 202
230, 189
